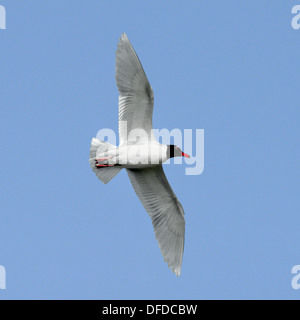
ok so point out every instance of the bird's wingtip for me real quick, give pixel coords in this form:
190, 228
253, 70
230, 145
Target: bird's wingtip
177, 272
124, 36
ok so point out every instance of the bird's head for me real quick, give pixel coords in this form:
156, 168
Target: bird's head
175, 151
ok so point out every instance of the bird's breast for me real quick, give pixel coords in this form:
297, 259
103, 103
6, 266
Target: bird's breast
142, 155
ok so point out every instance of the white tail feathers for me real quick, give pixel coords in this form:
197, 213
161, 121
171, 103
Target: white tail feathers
98, 147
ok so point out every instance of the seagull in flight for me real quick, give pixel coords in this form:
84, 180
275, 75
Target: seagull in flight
142, 156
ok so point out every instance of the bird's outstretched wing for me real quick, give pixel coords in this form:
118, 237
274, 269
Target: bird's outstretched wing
135, 95
166, 212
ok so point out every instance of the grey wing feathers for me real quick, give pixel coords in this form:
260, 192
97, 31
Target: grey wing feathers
166, 212
135, 92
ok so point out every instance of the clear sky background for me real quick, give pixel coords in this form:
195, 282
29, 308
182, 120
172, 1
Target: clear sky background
228, 67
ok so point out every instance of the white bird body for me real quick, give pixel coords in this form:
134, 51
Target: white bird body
136, 155
142, 156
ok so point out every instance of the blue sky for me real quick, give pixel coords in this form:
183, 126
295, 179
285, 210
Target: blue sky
228, 67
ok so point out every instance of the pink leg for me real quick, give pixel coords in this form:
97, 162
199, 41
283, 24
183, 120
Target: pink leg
103, 159
104, 165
